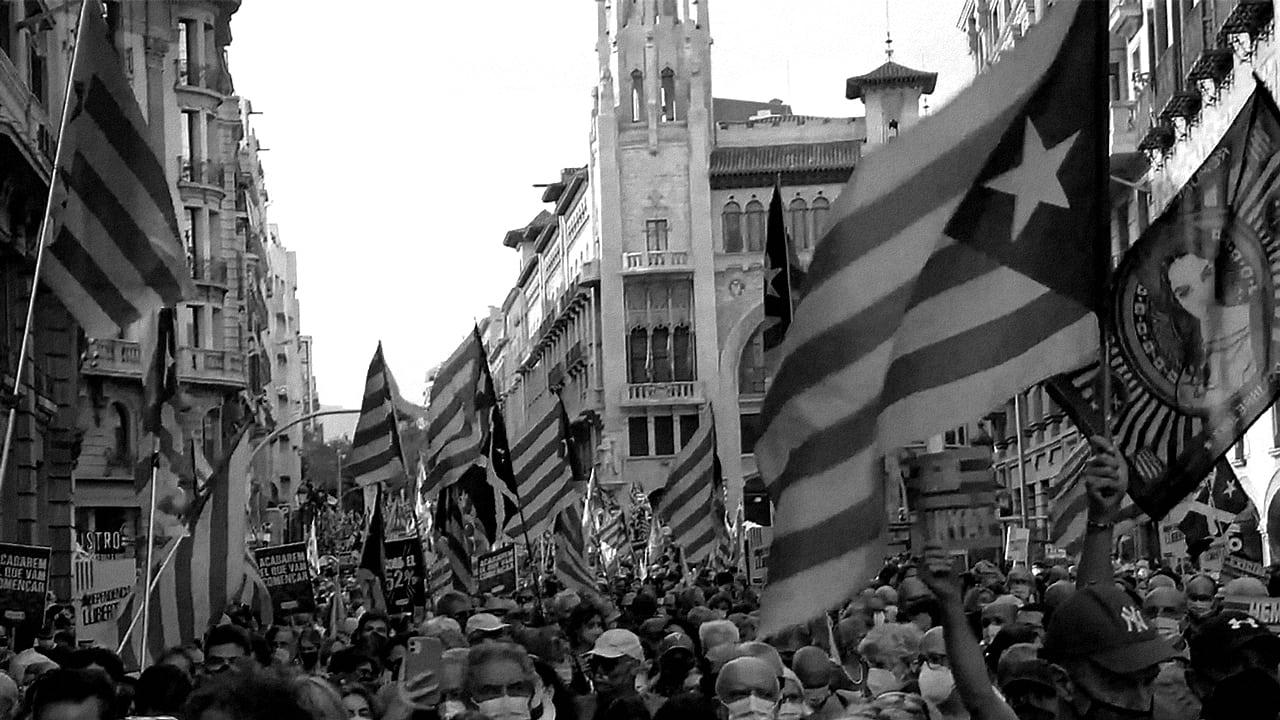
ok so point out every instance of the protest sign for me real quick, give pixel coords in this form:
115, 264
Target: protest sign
758, 540
439, 579
100, 586
1017, 545
496, 571
287, 575
403, 582
24, 583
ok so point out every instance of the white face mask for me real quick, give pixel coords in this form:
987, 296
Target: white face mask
752, 708
506, 707
880, 681
792, 711
1168, 628
936, 685
990, 632
564, 671
452, 708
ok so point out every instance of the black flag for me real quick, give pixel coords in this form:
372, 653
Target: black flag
780, 270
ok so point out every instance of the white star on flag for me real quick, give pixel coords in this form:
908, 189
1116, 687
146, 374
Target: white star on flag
1035, 180
769, 275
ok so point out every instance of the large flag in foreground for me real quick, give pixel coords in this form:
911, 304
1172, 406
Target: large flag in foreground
692, 500
965, 264
114, 252
209, 558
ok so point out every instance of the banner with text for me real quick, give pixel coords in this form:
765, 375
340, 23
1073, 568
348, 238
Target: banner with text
1265, 609
287, 575
496, 571
24, 584
99, 586
404, 582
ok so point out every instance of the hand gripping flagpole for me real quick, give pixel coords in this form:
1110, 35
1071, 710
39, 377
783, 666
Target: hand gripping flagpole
44, 229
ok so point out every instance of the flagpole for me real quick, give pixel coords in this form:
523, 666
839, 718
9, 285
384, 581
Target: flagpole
151, 546
24, 346
1102, 106
151, 586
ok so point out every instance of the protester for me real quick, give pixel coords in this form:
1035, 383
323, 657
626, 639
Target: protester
748, 689
161, 691
71, 695
1235, 661
892, 653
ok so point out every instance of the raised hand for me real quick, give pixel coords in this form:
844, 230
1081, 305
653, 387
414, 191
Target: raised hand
1106, 478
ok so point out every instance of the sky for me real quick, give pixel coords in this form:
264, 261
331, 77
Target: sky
404, 139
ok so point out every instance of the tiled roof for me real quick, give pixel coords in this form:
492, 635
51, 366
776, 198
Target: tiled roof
890, 73
529, 232
839, 155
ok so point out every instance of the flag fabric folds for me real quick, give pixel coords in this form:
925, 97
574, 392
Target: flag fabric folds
1068, 503
376, 454
543, 473
371, 572
113, 252
964, 265
457, 419
572, 566
781, 270
690, 506
457, 540
210, 556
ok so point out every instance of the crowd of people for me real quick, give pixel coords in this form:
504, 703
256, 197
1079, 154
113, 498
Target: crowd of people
925, 639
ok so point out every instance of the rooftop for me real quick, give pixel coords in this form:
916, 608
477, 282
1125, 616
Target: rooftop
838, 155
889, 74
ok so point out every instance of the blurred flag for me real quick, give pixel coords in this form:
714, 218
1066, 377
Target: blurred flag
457, 541
371, 572
572, 567
781, 274
965, 264
376, 454
313, 548
690, 506
114, 253
458, 420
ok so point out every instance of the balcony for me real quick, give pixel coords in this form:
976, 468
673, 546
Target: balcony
1237, 17
656, 261
112, 358
1125, 128
1175, 97
215, 367
190, 74
209, 271
663, 393
201, 172
1125, 18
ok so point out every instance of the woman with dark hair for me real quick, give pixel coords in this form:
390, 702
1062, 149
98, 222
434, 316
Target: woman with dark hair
555, 699
584, 626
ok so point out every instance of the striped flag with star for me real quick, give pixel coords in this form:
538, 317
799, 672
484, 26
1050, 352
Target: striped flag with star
458, 420
965, 263
113, 251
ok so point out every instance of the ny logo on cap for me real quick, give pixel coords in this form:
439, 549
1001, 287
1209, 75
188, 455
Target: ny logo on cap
1133, 620
1237, 623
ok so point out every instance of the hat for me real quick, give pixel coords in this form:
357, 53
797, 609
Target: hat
1101, 623
618, 643
1245, 586
500, 605
721, 654
484, 622
675, 641
1225, 633
1030, 672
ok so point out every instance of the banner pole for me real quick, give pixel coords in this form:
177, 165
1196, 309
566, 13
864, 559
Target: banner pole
25, 345
150, 587
151, 546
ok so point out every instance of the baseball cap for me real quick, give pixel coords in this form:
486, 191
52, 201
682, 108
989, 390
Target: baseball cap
675, 641
484, 622
617, 643
1225, 633
1101, 623
1026, 672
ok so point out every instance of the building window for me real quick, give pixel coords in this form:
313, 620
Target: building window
755, 226
638, 435
660, 354
36, 69
682, 358
798, 223
660, 336
751, 369
732, 218
638, 356
637, 96
750, 431
958, 436
655, 234
818, 212
664, 435
211, 436
688, 426
194, 337
668, 95
123, 436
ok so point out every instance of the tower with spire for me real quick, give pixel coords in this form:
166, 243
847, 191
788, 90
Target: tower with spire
891, 94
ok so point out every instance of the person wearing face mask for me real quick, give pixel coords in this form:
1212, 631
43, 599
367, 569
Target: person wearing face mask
501, 681
615, 662
1201, 591
937, 685
1166, 610
815, 672
747, 689
678, 670
1022, 585
998, 613
791, 705
1235, 668
283, 641
891, 651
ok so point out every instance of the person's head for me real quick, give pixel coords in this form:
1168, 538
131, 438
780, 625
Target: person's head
161, 690
1235, 663
748, 688
374, 623
501, 681
891, 651
351, 667
245, 694
1035, 689
814, 670
453, 683
1032, 614
1166, 610
849, 633
27, 666
1201, 591
1010, 635
791, 704
224, 647
179, 657
716, 633
9, 697
283, 642
359, 704
1109, 650
483, 627
937, 685
677, 665
789, 639
318, 698
71, 695
447, 630
615, 660
892, 706
1021, 584
96, 658
1000, 612
585, 625
454, 604
1190, 283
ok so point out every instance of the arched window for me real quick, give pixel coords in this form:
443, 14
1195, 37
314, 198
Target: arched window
660, 351
668, 95
751, 373
123, 439
818, 216
732, 227
682, 353
637, 96
638, 356
798, 223
755, 226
